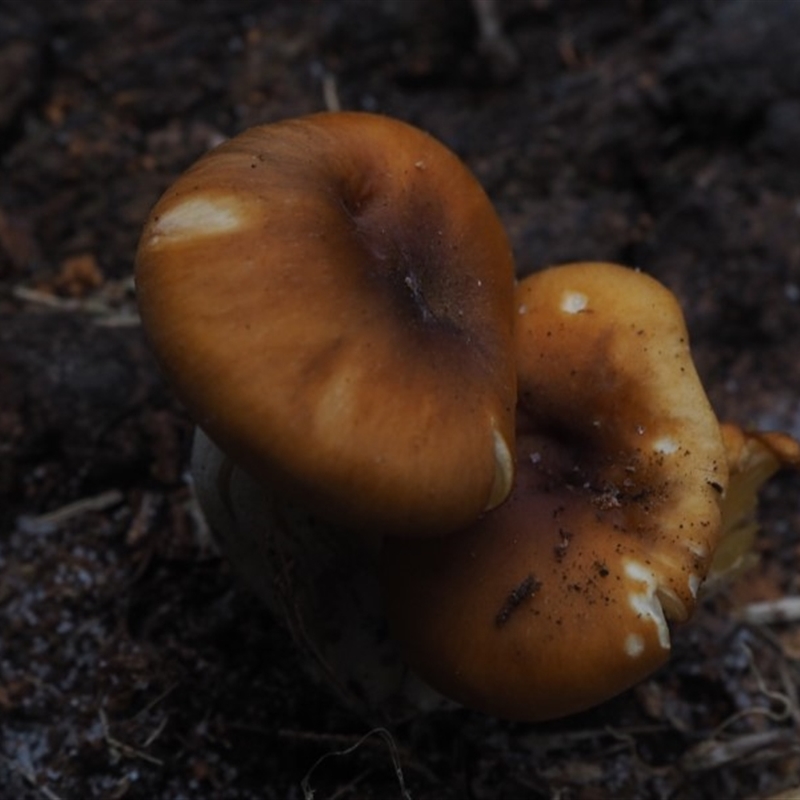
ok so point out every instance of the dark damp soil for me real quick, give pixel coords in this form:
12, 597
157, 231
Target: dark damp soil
663, 134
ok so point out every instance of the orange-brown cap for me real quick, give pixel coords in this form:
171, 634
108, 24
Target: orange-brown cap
563, 596
332, 299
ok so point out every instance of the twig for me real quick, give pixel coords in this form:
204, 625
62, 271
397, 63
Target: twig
305, 784
47, 523
156, 733
786, 712
330, 92
95, 306
153, 703
344, 739
712, 754
343, 790
503, 57
121, 748
771, 612
559, 741
123, 319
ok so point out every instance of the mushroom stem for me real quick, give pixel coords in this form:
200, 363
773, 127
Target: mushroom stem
321, 585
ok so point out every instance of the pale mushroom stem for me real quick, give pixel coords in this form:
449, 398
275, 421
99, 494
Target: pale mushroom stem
320, 585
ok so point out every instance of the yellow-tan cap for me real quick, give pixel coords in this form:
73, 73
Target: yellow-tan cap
564, 595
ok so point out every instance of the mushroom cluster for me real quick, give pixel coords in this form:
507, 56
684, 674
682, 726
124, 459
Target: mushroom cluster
449, 486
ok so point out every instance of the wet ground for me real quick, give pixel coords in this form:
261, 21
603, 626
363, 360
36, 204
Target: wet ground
132, 665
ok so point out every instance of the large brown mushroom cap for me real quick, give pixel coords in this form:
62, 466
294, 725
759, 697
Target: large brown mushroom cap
563, 596
332, 299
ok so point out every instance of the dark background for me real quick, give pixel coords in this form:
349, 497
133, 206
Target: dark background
663, 134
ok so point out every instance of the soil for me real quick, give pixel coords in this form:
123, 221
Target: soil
659, 134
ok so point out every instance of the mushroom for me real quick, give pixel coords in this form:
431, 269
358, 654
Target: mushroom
565, 595
528, 489
331, 298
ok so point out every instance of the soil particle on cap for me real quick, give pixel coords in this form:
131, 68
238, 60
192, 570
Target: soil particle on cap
525, 589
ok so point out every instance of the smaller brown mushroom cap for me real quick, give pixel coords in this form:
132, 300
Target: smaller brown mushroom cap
332, 299
564, 595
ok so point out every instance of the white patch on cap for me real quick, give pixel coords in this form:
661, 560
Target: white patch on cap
503, 470
198, 216
574, 302
696, 549
646, 603
665, 445
673, 607
634, 645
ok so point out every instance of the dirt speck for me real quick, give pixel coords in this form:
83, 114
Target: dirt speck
522, 592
